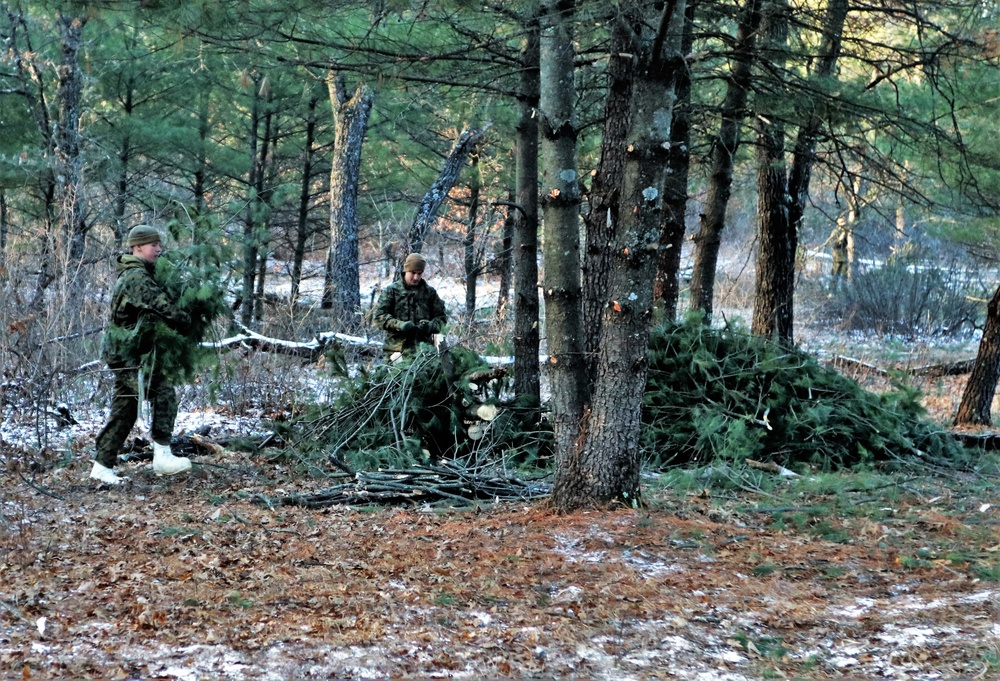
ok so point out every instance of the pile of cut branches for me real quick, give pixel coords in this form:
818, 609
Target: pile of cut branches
449, 482
726, 395
422, 409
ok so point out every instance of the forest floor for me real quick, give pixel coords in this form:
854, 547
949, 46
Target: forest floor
193, 578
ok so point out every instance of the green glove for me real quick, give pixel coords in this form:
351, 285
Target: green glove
407, 328
425, 326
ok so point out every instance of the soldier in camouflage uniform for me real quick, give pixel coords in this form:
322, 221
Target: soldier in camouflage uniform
137, 303
409, 310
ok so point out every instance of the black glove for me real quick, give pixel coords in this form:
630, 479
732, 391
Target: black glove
407, 328
425, 327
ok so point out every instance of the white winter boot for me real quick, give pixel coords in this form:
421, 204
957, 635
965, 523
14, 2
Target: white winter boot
165, 463
105, 475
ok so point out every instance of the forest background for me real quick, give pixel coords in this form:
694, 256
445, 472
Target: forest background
285, 138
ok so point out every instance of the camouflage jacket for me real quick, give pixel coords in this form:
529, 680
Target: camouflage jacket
137, 302
399, 304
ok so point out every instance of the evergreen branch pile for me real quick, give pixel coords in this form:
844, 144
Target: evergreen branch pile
726, 395
415, 410
450, 482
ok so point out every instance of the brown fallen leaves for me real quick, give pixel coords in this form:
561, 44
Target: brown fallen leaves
186, 578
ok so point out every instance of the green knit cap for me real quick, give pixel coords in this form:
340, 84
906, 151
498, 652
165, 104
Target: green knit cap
141, 235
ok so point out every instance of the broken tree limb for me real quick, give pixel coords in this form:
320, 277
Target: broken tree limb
929, 370
311, 350
436, 195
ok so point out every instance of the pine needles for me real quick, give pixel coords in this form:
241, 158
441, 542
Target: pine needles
725, 395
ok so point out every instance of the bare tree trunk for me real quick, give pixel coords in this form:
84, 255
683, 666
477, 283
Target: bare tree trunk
666, 286
772, 313
713, 220
504, 260
604, 466
469, 243
561, 225
342, 288
977, 399
525, 245
605, 190
265, 191
305, 197
124, 158
72, 219
805, 143
250, 225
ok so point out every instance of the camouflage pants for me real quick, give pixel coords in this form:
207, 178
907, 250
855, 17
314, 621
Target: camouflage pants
125, 410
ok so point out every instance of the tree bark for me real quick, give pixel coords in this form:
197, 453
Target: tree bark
605, 190
977, 398
305, 199
602, 465
469, 242
666, 286
342, 288
504, 259
561, 225
772, 313
525, 243
713, 220
70, 178
804, 154
252, 215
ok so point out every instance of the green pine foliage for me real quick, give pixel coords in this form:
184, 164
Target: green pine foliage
726, 395
191, 275
416, 411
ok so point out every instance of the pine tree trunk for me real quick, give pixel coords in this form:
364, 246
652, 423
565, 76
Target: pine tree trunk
469, 242
305, 197
666, 286
342, 288
250, 229
561, 225
525, 243
124, 157
504, 259
602, 465
713, 220
805, 142
977, 399
605, 190
772, 311
73, 224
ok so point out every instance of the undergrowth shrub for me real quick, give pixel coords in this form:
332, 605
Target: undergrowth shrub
722, 394
419, 410
910, 300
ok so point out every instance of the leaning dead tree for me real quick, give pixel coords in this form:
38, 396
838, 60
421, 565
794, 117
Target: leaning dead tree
436, 195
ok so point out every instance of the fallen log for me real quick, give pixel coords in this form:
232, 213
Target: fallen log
927, 371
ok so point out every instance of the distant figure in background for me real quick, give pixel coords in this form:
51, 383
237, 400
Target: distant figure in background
838, 249
136, 301
409, 310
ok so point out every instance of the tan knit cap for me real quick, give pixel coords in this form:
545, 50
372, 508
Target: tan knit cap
141, 235
414, 263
